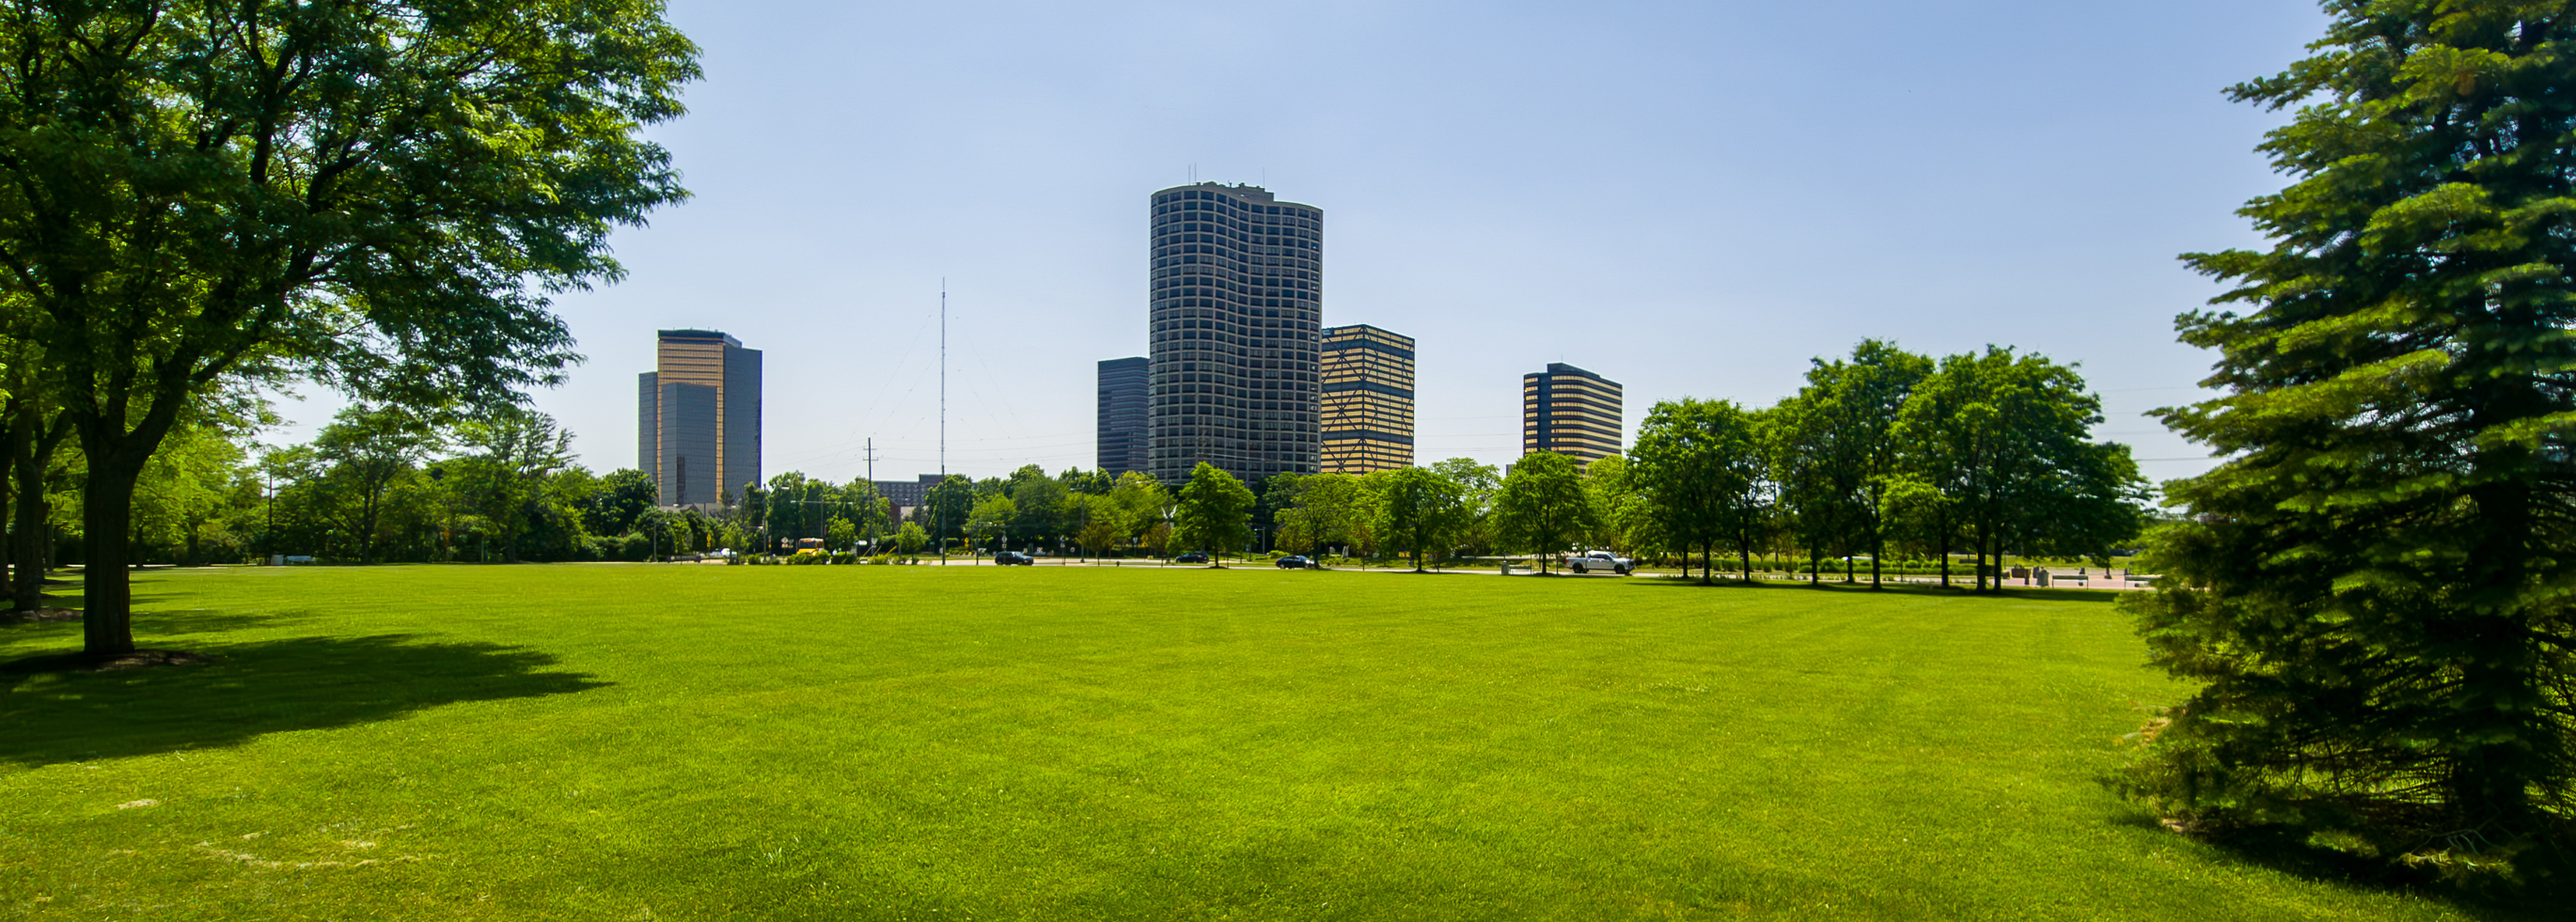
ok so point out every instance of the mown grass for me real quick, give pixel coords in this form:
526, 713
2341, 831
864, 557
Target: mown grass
638, 742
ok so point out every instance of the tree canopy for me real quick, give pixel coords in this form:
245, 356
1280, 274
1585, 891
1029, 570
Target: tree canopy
1215, 512
1543, 508
377, 196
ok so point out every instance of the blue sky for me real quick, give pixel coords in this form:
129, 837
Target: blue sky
1689, 198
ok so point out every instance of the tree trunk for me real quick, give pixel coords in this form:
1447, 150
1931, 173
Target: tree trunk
2495, 771
31, 550
107, 516
1877, 549
1943, 526
19, 437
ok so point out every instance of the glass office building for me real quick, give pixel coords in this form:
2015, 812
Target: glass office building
1123, 403
697, 420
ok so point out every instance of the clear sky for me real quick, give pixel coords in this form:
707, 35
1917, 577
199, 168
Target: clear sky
1692, 199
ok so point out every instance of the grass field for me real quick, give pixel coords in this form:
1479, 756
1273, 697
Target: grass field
640, 742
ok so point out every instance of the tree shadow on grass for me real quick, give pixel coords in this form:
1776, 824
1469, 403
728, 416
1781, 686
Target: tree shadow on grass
2009, 594
251, 689
150, 625
2288, 852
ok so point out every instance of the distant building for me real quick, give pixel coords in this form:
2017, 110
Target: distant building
1367, 400
907, 494
1125, 395
1570, 411
697, 421
1236, 307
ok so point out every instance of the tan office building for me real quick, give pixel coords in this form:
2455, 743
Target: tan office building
1368, 400
1570, 411
697, 419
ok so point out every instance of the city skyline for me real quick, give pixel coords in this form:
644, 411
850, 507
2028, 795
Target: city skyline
1514, 185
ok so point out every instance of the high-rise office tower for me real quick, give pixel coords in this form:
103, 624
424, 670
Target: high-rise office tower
1237, 304
1368, 400
697, 418
1570, 411
1123, 396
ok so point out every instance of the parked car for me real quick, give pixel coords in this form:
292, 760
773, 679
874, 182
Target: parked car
1191, 557
1295, 562
1590, 561
1007, 558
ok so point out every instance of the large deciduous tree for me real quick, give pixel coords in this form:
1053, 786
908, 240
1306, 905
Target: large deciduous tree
1419, 509
2372, 590
372, 193
1542, 507
1701, 467
1321, 510
1215, 511
369, 447
504, 476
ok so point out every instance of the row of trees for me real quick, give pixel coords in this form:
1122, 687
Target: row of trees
1883, 451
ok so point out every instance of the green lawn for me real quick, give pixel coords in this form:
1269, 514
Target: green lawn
637, 742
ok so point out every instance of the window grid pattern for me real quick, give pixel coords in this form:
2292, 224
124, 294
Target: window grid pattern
1367, 400
1236, 304
1570, 411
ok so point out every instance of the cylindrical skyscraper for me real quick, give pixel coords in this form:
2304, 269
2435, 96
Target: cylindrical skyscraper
1237, 303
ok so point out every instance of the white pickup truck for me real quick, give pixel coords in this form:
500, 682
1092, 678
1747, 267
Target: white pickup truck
1590, 561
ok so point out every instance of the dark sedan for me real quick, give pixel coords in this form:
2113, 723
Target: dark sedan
1294, 562
1007, 558
1191, 557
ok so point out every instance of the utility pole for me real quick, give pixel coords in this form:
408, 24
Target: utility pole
872, 495
938, 524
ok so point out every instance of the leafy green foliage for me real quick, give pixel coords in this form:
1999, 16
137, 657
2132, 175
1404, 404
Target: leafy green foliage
1418, 510
1215, 512
1323, 510
1700, 467
2371, 592
379, 196
1543, 508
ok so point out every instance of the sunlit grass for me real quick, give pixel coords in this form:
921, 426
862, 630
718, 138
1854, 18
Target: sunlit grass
631, 742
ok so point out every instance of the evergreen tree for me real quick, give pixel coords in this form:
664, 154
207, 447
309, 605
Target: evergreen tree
2370, 590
